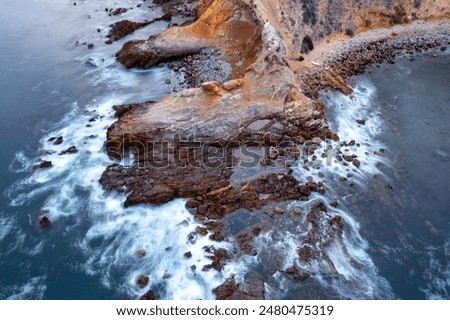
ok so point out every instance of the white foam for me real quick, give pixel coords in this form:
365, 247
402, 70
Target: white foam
438, 284
344, 265
6, 226
116, 233
34, 289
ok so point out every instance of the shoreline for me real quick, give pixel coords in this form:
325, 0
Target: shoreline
279, 99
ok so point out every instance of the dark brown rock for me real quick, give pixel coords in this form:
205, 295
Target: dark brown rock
44, 164
296, 213
226, 290
70, 150
123, 28
44, 222
56, 140
361, 121
141, 253
150, 295
296, 274
143, 281
118, 11
218, 257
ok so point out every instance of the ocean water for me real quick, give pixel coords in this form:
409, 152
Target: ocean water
394, 207
48, 90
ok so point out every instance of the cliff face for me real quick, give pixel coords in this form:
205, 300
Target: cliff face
237, 27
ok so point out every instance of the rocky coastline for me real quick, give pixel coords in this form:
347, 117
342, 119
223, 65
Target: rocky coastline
258, 110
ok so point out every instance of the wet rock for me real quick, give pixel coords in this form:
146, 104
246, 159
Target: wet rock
119, 11
91, 63
143, 281
336, 222
201, 231
123, 28
305, 253
44, 222
356, 163
313, 186
70, 150
123, 109
278, 210
226, 289
348, 158
141, 253
305, 190
56, 140
296, 274
361, 121
44, 165
296, 214
244, 241
150, 295
355, 264
218, 257
252, 288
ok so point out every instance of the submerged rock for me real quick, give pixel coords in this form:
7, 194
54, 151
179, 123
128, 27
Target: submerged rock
44, 164
149, 295
44, 222
56, 140
70, 150
143, 281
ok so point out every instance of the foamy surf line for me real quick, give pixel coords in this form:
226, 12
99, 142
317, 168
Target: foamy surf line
157, 242
309, 258
162, 233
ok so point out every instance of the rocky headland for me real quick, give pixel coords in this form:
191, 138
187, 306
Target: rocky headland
259, 108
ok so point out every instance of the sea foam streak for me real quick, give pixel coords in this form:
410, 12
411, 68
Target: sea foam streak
116, 234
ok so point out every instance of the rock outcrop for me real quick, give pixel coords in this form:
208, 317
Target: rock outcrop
194, 144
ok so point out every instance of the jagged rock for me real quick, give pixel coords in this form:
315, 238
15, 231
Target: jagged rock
44, 164
361, 121
70, 150
44, 222
150, 295
226, 290
143, 281
296, 274
251, 289
56, 140
123, 28
356, 163
296, 213
141, 253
